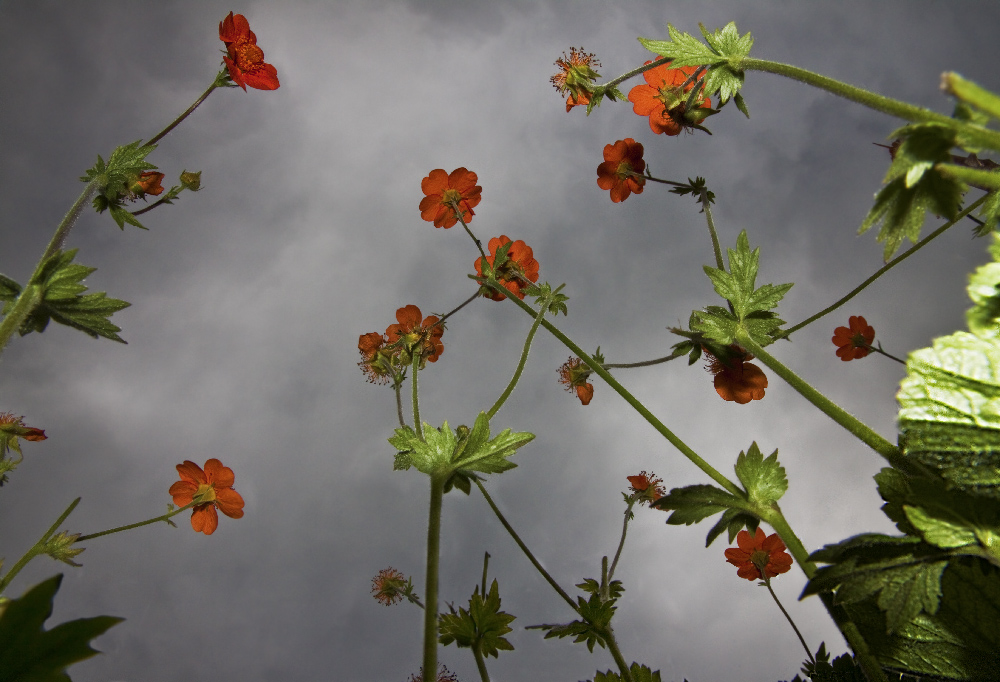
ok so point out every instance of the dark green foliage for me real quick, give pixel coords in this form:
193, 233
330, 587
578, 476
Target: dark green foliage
591, 586
29, 653
640, 673
115, 177
591, 628
481, 627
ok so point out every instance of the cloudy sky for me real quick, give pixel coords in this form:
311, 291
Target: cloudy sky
249, 297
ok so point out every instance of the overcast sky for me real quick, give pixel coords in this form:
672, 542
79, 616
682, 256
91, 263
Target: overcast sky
249, 297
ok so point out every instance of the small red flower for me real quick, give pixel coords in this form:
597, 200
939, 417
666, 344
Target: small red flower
758, 556
370, 344
245, 60
442, 189
148, 183
516, 272
855, 342
212, 488
573, 373
648, 486
424, 338
389, 586
575, 78
12, 428
663, 100
735, 379
622, 161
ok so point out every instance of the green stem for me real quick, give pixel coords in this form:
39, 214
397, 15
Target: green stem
767, 583
621, 543
635, 72
644, 363
480, 664
431, 586
190, 109
714, 474
38, 548
711, 230
520, 365
609, 637
33, 293
524, 547
130, 526
888, 355
399, 402
827, 406
885, 268
417, 426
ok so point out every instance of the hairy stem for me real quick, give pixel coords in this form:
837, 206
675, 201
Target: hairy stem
431, 585
37, 548
520, 365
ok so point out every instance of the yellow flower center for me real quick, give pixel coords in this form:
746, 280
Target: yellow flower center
248, 56
450, 195
205, 493
759, 558
624, 170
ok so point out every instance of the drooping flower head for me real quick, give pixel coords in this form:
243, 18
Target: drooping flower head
414, 336
12, 428
443, 189
758, 556
574, 374
735, 379
648, 486
148, 182
664, 100
575, 77
515, 273
211, 488
622, 161
389, 586
244, 59
444, 675
855, 342
374, 359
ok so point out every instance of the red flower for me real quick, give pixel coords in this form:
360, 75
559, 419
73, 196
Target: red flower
576, 76
370, 344
516, 272
148, 183
648, 485
12, 428
442, 189
389, 586
573, 373
622, 161
416, 337
854, 343
663, 100
211, 488
245, 60
736, 380
758, 556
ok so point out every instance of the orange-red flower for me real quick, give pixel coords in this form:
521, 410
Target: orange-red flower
417, 337
648, 486
735, 379
148, 183
389, 586
12, 428
574, 374
622, 160
245, 60
664, 100
514, 274
575, 78
442, 189
212, 488
370, 344
854, 342
758, 556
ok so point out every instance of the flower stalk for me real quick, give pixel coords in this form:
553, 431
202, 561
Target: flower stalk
433, 560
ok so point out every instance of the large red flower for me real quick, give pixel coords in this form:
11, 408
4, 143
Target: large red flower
574, 374
664, 101
245, 60
424, 338
622, 160
516, 272
735, 379
855, 342
442, 189
213, 487
758, 552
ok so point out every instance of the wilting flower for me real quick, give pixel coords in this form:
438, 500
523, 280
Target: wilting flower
148, 183
211, 488
855, 342
735, 379
442, 189
416, 337
12, 427
371, 364
245, 60
516, 272
665, 102
575, 78
444, 675
648, 486
758, 556
389, 586
622, 161
574, 374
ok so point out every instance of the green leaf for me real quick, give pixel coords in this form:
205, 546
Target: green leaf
984, 290
482, 626
732, 520
591, 586
640, 673
971, 93
9, 289
683, 49
751, 305
592, 629
64, 301
763, 479
429, 455
29, 653
693, 503
441, 451
914, 186
489, 456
